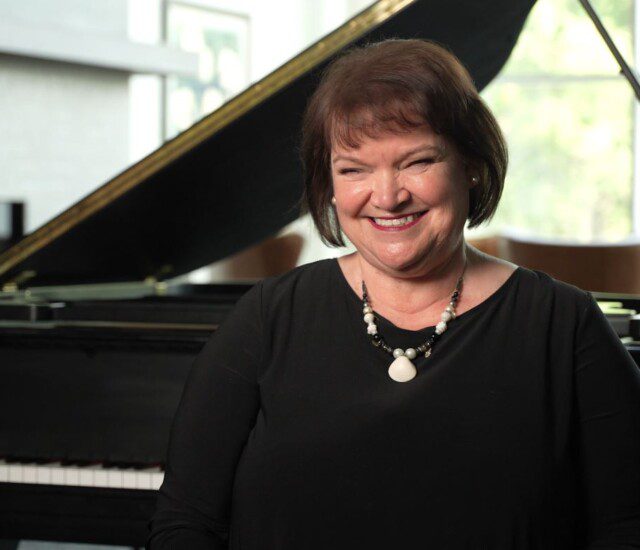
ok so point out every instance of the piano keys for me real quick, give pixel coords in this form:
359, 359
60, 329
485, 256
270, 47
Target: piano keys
98, 475
90, 388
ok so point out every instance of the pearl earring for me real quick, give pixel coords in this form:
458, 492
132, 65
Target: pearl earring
475, 179
333, 200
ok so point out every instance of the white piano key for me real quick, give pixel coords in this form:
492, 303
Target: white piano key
149, 478
156, 480
129, 478
43, 474
71, 475
95, 475
143, 479
57, 474
114, 478
29, 473
85, 477
15, 473
101, 477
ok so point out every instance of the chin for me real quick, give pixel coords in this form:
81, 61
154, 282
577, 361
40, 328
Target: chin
402, 264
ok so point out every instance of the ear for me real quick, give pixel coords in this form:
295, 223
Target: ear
472, 174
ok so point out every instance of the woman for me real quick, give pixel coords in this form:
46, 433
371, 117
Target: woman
416, 393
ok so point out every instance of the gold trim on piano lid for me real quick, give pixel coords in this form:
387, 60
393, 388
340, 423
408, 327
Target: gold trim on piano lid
202, 130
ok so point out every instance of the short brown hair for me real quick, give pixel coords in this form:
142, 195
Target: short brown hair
397, 85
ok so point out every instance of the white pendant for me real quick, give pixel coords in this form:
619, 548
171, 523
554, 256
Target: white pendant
402, 369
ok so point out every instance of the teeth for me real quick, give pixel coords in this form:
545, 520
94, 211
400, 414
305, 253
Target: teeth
397, 221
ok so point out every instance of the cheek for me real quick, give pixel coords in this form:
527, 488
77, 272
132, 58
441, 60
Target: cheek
433, 192
444, 188
351, 197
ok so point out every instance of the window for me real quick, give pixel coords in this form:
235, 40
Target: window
221, 41
568, 116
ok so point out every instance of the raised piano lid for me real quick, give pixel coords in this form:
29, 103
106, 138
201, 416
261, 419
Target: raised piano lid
234, 177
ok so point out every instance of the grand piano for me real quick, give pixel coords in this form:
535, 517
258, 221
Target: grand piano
96, 333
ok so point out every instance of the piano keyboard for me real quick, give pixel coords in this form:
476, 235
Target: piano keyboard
93, 475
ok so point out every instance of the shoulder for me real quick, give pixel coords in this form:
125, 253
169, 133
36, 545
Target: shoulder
300, 280
532, 291
273, 303
306, 281
533, 280
533, 298
543, 293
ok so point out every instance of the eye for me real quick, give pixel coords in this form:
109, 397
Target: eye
420, 162
348, 171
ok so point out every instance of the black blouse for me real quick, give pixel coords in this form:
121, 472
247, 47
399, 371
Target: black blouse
521, 431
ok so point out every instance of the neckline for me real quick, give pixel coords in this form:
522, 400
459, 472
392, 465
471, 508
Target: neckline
469, 313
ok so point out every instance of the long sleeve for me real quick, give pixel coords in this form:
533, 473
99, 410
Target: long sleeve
213, 421
607, 386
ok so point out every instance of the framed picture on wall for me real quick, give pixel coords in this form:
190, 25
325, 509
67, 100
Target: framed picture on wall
221, 40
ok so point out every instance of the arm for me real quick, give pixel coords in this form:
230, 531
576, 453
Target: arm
607, 386
216, 413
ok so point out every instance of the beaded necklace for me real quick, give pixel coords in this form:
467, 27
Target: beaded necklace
402, 368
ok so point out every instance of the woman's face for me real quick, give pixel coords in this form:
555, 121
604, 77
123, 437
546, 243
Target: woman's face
402, 199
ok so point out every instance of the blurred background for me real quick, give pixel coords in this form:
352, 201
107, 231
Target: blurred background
88, 88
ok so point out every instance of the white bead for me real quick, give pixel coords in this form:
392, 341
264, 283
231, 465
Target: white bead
441, 327
446, 316
398, 352
369, 318
372, 329
402, 370
449, 308
367, 309
410, 353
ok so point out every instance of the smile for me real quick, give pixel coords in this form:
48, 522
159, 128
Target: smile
397, 224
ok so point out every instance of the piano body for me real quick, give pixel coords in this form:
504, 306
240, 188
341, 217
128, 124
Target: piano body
96, 334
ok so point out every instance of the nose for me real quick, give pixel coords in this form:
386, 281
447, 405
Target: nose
388, 193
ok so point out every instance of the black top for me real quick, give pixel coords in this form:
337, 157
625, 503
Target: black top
522, 431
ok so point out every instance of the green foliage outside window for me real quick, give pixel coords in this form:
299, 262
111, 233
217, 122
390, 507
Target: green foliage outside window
568, 118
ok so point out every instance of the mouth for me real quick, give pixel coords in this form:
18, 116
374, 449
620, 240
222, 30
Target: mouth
398, 223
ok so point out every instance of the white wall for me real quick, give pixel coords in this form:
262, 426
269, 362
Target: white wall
107, 18
64, 127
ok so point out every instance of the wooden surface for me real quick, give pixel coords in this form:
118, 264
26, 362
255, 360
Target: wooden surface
598, 268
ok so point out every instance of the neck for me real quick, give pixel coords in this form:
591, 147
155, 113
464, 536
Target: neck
415, 294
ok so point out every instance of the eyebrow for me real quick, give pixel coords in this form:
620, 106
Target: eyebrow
421, 148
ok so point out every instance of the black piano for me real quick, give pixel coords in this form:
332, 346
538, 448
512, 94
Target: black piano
97, 333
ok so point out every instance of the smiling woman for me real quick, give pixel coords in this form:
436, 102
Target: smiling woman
394, 89
415, 393
400, 152
402, 199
